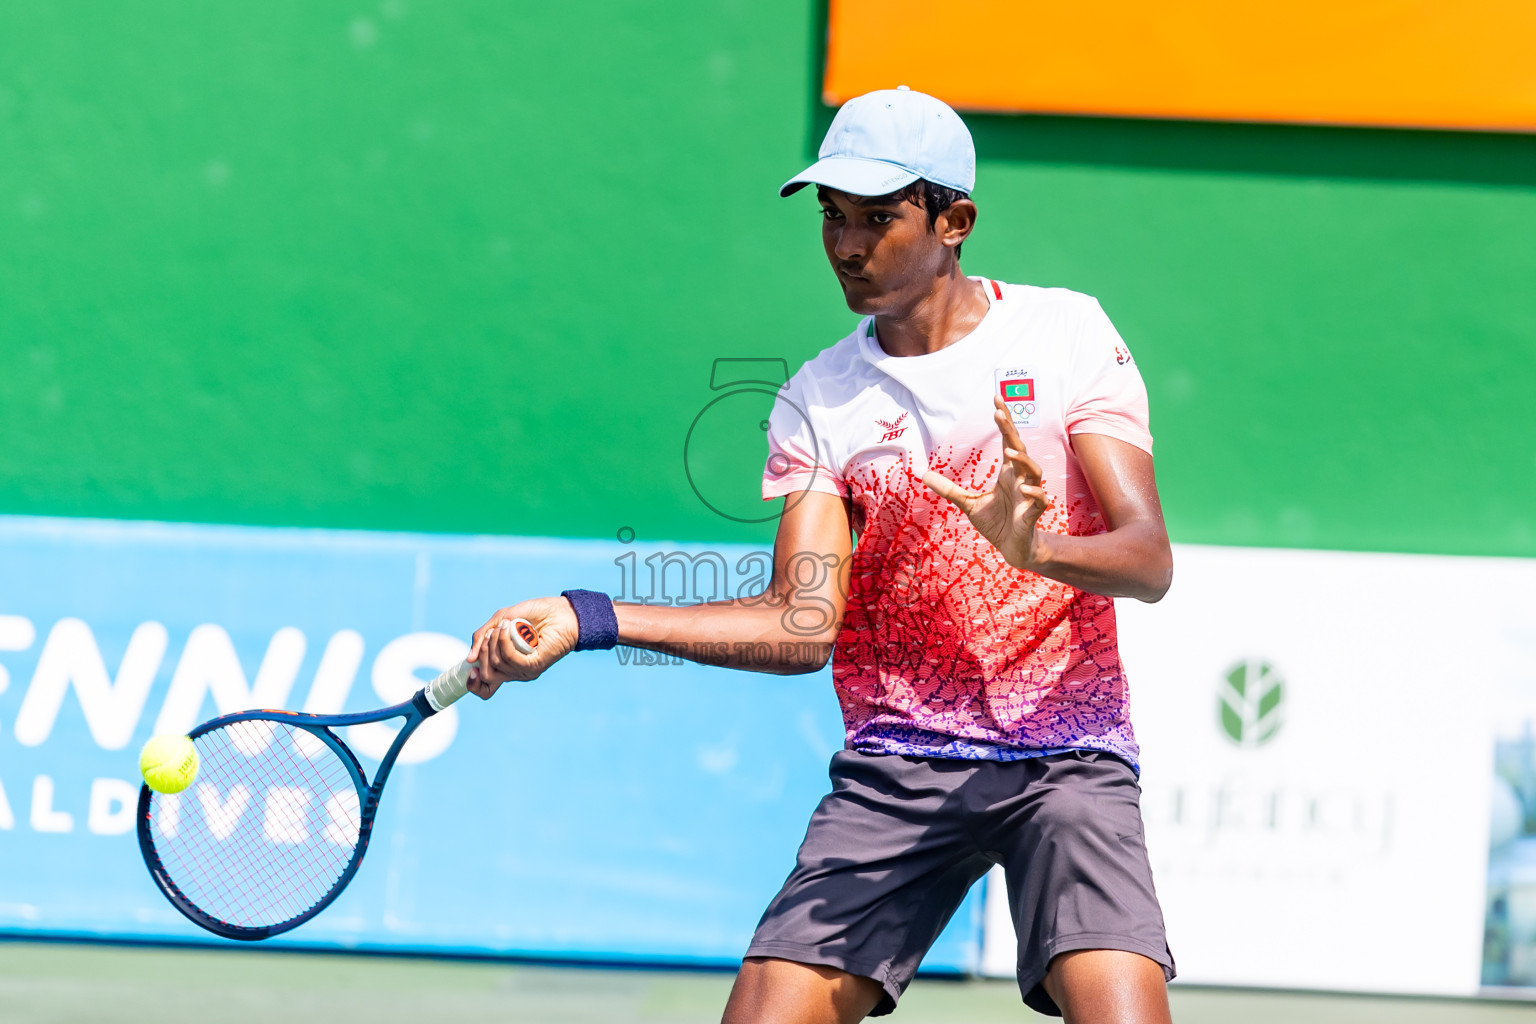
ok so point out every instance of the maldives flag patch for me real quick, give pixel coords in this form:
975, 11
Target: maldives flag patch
1017, 389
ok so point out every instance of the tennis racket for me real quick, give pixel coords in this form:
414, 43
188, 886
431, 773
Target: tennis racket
278, 819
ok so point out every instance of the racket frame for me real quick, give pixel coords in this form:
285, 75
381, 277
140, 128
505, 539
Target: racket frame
414, 711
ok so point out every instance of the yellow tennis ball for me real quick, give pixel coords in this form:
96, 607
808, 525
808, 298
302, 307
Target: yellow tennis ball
168, 763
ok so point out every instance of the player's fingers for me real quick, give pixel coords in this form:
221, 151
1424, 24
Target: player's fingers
1004, 420
531, 660
514, 640
1011, 437
1027, 468
515, 646
482, 637
1034, 500
483, 689
509, 657
494, 658
944, 487
1005, 424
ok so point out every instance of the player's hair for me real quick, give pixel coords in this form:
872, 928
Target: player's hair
933, 198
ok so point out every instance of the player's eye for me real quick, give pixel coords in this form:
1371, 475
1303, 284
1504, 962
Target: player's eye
882, 218
828, 213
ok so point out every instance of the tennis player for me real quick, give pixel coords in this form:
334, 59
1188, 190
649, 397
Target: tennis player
988, 443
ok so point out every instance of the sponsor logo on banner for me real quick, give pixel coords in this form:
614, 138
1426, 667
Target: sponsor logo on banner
115, 708
110, 632
1316, 753
1249, 703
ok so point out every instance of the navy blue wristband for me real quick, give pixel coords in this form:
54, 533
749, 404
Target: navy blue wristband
597, 627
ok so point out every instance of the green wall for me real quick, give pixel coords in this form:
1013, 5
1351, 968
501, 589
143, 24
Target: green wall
464, 267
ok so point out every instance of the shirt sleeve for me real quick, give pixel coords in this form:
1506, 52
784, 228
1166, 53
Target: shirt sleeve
1108, 395
798, 458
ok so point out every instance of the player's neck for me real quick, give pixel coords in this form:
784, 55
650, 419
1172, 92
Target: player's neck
945, 315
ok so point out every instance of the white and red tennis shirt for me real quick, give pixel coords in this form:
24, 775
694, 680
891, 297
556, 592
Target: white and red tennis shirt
946, 650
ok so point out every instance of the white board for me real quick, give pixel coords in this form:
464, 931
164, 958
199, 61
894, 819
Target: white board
1339, 841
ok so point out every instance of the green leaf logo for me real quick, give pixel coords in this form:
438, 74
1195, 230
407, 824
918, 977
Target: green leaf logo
1250, 698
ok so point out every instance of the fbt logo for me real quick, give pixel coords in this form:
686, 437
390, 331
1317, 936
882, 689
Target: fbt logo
893, 429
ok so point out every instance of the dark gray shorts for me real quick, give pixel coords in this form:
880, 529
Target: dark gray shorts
895, 846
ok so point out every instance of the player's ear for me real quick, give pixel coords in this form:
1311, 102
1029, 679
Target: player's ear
955, 224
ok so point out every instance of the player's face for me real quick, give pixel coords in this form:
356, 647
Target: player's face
884, 252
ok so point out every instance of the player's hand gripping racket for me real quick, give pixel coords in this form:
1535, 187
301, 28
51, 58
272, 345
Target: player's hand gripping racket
278, 818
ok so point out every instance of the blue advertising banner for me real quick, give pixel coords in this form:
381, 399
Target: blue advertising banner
624, 806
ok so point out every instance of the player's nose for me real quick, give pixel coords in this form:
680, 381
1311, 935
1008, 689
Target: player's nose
849, 246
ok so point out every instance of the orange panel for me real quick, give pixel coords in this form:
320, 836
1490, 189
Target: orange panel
1411, 63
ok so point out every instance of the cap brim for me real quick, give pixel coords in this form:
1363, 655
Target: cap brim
851, 174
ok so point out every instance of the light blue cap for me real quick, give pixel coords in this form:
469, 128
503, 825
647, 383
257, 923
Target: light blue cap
886, 140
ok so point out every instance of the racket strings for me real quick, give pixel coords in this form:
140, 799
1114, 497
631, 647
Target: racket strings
266, 830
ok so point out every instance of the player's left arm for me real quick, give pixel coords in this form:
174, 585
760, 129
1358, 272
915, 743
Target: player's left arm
1131, 559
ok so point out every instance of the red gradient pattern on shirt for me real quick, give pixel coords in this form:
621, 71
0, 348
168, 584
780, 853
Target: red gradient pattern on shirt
946, 646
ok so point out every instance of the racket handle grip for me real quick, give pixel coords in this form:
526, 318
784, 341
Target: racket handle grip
454, 683
449, 686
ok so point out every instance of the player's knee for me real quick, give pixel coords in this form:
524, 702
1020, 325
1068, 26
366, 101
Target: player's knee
763, 985
1108, 984
768, 989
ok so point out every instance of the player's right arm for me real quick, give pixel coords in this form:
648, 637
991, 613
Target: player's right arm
787, 629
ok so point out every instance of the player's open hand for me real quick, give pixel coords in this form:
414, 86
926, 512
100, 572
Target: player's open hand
496, 657
1005, 515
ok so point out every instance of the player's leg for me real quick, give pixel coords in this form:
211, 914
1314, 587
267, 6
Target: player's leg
1067, 830
1108, 986
785, 992
887, 858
